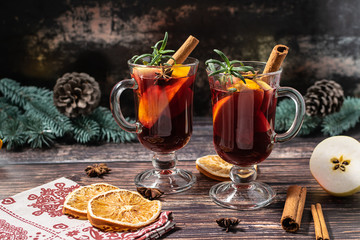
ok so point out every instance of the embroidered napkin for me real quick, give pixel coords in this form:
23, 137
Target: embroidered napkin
37, 214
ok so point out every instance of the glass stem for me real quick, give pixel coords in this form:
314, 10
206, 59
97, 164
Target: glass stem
243, 175
164, 161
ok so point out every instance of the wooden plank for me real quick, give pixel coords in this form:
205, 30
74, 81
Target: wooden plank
193, 210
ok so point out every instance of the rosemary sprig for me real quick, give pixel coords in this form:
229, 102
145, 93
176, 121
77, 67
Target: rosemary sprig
158, 56
227, 67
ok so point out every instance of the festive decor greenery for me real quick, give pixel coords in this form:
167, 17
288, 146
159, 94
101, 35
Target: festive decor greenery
28, 117
331, 125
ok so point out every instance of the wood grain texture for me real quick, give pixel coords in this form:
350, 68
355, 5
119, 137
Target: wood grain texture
193, 210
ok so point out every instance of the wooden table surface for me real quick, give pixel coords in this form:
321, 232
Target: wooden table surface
193, 210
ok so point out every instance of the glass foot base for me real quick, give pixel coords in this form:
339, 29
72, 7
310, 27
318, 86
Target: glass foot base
168, 181
243, 196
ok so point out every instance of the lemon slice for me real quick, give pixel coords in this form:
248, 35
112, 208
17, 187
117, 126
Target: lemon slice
122, 210
76, 202
214, 167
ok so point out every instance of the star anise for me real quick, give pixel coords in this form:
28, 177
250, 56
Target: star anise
97, 170
150, 193
227, 223
165, 74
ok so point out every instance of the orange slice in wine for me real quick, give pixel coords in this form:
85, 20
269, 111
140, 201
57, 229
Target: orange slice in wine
261, 123
180, 71
155, 99
248, 99
220, 105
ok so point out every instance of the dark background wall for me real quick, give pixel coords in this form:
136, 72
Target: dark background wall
43, 39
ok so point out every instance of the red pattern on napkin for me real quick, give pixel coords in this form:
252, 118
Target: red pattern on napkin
37, 214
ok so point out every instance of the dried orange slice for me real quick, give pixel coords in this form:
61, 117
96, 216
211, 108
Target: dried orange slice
76, 202
122, 210
214, 167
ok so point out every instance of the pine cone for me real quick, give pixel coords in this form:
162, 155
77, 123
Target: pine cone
76, 94
323, 98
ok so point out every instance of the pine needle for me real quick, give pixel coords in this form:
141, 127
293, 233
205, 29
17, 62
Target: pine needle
38, 135
346, 118
109, 130
85, 129
285, 114
29, 117
13, 134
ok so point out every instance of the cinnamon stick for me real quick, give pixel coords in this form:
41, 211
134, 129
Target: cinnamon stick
184, 51
293, 209
276, 58
321, 232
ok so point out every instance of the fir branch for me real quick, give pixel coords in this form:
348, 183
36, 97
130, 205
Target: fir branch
11, 90
109, 130
13, 134
346, 118
285, 113
9, 110
38, 93
20, 96
54, 121
3, 118
38, 135
309, 125
28, 116
85, 129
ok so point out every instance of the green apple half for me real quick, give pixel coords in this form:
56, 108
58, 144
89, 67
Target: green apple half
335, 164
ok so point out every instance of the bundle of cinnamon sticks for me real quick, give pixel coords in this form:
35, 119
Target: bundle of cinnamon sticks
293, 210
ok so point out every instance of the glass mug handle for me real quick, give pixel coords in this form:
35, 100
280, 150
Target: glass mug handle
299, 113
115, 105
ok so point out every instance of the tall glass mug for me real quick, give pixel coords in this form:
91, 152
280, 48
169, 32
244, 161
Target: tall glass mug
243, 132
164, 112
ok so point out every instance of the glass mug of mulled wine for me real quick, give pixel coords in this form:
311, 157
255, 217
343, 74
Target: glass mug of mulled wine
164, 115
243, 130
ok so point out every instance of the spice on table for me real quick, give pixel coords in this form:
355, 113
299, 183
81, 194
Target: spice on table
227, 223
293, 209
150, 193
321, 232
97, 170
